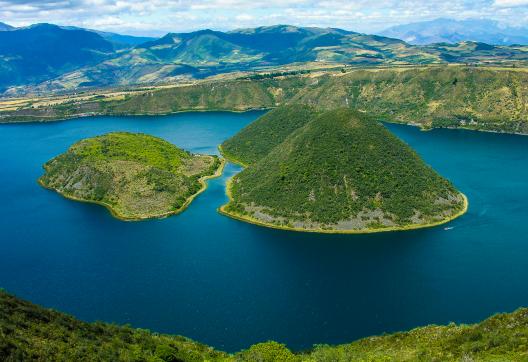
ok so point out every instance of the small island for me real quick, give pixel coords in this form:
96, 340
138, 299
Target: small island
336, 171
135, 176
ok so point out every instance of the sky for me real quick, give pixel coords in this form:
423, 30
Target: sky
157, 17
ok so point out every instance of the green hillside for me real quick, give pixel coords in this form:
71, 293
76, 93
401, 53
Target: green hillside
483, 99
478, 53
230, 95
235, 95
340, 172
490, 99
134, 175
41, 52
203, 53
31, 333
258, 138
196, 55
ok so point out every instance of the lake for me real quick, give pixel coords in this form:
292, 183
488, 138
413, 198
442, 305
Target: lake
230, 284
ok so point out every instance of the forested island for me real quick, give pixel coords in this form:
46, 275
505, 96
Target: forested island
336, 171
31, 333
136, 176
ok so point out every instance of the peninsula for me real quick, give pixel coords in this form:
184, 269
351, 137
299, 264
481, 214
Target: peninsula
336, 171
136, 176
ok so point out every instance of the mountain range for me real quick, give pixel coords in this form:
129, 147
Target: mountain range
5, 27
454, 31
46, 57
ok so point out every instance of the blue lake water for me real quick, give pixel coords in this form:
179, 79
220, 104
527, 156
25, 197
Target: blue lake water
231, 284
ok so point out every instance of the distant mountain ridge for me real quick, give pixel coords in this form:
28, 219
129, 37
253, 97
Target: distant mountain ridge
207, 52
119, 40
5, 27
42, 51
110, 59
455, 31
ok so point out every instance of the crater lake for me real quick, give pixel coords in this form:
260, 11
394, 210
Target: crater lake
230, 284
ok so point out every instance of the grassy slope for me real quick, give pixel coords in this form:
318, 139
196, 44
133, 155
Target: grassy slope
339, 172
135, 175
30, 333
487, 99
232, 95
456, 96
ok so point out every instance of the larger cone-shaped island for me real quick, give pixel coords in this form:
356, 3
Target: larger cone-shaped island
135, 176
337, 171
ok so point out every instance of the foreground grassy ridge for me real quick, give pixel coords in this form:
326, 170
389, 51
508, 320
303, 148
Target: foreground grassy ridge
136, 176
492, 99
31, 333
339, 172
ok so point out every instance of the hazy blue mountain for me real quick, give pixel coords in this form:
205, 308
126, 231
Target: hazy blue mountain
6, 27
120, 41
274, 45
50, 57
206, 52
454, 31
129, 40
44, 51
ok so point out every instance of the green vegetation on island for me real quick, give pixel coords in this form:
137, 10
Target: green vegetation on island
258, 138
480, 98
135, 176
339, 172
31, 333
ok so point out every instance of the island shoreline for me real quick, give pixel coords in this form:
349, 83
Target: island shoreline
254, 221
219, 171
102, 114
253, 109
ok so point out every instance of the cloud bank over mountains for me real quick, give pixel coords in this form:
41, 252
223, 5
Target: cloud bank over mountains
156, 17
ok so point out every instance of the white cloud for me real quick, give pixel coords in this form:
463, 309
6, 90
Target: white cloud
244, 17
159, 16
510, 3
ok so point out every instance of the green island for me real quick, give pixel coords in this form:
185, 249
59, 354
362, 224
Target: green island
135, 176
337, 171
32, 333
